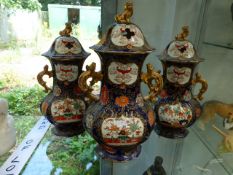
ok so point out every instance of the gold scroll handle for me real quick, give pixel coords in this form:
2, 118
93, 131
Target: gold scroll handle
89, 73
125, 16
40, 78
198, 79
149, 78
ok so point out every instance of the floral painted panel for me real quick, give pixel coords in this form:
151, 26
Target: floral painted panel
127, 35
179, 75
66, 45
120, 73
66, 72
122, 131
178, 114
67, 110
182, 49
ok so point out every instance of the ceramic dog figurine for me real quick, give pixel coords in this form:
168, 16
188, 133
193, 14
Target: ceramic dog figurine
211, 108
7, 129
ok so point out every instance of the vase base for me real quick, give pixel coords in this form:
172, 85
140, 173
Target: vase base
118, 155
66, 131
172, 133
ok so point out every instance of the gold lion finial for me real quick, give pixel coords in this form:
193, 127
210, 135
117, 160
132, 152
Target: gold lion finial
124, 17
183, 35
67, 31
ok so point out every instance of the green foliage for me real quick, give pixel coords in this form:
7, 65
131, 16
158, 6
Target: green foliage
73, 154
31, 5
23, 105
24, 100
11, 45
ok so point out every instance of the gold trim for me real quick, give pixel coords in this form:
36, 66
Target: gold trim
89, 73
148, 79
204, 84
40, 78
184, 34
125, 16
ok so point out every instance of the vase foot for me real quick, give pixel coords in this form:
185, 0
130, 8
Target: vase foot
172, 133
118, 155
66, 131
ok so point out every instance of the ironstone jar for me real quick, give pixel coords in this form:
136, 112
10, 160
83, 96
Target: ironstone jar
177, 108
121, 119
65, 104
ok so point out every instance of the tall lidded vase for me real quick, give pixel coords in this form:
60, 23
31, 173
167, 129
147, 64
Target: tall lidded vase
64, 105
121, 119
177, 107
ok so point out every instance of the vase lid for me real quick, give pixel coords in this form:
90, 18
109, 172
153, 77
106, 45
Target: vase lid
123, 37
66, 47
181, 50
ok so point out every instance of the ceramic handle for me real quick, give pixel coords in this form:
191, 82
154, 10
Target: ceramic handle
82, 81
149, 78
204, 85
40, 78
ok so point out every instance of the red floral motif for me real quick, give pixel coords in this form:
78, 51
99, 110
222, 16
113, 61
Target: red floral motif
122, 101
189, 117
138, 132
104, 95
163, 93
77, 90
181, 114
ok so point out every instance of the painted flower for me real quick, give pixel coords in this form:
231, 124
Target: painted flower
122, 101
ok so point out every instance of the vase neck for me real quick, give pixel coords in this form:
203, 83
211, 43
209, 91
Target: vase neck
121, 78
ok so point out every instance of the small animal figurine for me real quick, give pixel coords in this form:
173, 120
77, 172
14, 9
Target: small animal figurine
7, 129
67, 31
124, 17
211, 108
183, 35
227, 138
156, 168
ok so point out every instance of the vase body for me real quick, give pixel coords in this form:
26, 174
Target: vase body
121, 119
65, 104
177, 107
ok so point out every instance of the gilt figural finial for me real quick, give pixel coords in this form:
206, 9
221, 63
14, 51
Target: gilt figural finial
67, 31
125, 16
184, 34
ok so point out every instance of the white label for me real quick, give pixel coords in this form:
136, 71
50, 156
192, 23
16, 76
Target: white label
15, 163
